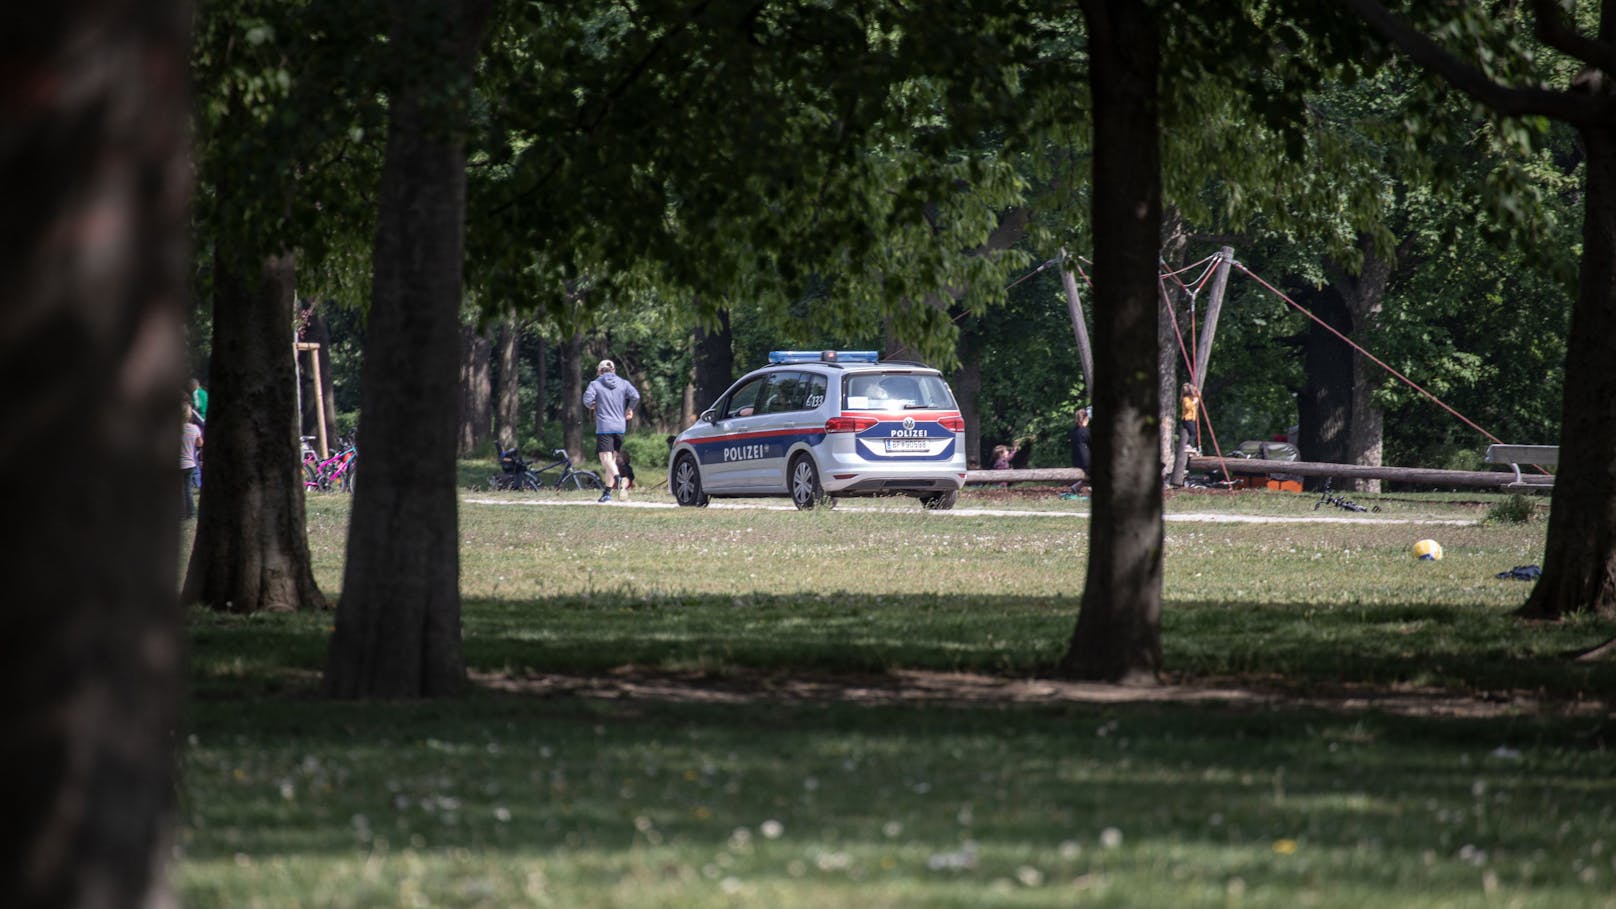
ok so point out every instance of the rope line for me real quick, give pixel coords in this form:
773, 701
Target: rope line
1377, 361
1193, 290
1201, 412
1196, 264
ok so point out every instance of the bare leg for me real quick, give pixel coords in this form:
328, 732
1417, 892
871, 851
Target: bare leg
608, 467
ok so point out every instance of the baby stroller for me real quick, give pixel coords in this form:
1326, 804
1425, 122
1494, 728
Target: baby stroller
515, 474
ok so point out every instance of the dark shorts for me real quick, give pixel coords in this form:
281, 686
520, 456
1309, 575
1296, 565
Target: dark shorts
608, 441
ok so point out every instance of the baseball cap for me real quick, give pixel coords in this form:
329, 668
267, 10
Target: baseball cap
605, 366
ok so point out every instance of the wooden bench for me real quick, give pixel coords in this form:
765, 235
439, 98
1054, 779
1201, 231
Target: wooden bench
1516, 455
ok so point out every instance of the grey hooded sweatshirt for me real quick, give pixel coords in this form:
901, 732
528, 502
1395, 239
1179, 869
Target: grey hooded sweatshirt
610, 396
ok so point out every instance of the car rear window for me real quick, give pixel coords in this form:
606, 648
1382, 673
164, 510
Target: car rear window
897, 391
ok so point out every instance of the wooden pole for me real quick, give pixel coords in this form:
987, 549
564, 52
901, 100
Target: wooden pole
1479, 479
1214, 304
1474, 479
297, 387
319, 396
1074, 305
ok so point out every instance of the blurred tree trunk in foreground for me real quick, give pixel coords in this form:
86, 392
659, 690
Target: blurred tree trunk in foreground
96, 181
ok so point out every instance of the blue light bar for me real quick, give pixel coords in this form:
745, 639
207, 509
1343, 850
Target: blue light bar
777, 357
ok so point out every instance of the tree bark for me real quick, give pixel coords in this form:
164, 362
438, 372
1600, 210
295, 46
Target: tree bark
507, 401
1579, 559
252, 550
572, 396
96, 179
715, 362
1364, 295
1324, 408
398, 624
476, 390
541, 399
1118, 633
1172, 320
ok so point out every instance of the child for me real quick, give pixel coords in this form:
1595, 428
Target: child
1001, 460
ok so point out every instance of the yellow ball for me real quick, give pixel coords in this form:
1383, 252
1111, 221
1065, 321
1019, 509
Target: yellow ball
1428, 550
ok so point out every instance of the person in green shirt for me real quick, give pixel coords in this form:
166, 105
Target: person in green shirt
199, 400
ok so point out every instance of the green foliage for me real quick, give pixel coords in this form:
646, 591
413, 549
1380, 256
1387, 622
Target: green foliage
824, 171
1516, 509
648, 453
736, 153
288, 122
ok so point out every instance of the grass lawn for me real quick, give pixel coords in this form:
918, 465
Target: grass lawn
745, 707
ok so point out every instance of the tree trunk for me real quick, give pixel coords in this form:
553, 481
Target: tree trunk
398, 624
1324, 408
507, 402
476, 390
1364, 295
95, 177
1118, 633
541, 399
1579, 559
1172, 321
572, 396
715, 362
252, 549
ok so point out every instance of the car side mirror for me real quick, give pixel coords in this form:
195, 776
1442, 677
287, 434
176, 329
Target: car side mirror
709, 416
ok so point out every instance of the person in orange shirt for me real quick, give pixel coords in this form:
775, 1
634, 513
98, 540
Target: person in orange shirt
1189, 413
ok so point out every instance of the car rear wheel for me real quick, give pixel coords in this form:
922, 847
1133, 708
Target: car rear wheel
939, 501
805, 489
687, 483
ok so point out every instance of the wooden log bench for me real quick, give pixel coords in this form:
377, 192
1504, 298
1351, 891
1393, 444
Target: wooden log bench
1516, 455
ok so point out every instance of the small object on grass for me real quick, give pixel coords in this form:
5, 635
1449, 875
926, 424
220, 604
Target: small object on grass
1428, 551
1522, 573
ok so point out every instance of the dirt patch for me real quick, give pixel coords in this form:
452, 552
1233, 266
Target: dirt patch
918, 687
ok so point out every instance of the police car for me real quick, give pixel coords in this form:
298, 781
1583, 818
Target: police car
816, 424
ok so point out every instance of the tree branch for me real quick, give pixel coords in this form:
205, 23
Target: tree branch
1553, 28
1502, 99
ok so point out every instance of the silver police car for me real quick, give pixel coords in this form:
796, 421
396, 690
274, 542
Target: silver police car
814, 425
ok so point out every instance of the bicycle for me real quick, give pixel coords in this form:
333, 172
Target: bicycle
1340, 501
338, 470
569, 476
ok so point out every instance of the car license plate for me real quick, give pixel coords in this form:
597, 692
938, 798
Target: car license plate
906, 445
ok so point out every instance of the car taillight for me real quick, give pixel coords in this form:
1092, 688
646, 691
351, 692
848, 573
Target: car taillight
953, 423
846, 423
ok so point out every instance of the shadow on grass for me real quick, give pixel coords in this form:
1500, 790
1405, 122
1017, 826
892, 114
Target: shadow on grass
1381, 810
626, 800
1285, 646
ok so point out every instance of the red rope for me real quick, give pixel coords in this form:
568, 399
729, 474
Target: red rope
1189, 365
1377, 361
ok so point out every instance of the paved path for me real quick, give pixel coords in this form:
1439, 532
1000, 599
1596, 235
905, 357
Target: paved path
541, 501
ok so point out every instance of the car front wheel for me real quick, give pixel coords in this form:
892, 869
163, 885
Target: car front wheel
687, 483
805, 489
